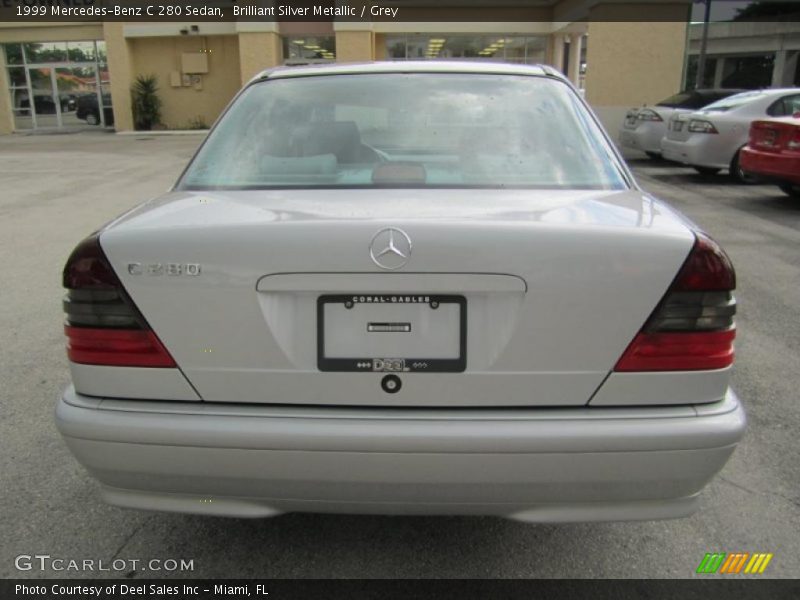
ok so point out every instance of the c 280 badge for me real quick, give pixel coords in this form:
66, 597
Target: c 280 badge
170, 269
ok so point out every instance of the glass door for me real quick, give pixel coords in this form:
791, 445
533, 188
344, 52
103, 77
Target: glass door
78, 99
43, 101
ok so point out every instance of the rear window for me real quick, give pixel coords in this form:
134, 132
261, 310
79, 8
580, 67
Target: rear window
682, 100
735, 101
405, 130
786, 106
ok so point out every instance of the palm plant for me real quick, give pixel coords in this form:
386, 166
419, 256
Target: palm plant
146, 103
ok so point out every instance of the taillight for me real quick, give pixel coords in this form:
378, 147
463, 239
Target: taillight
794, 141
103, 326
701, 126
647, 114
692, 328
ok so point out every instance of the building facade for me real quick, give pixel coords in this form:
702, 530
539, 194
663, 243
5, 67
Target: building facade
748, 55
78, 75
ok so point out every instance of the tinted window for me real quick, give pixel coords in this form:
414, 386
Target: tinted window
786, 106
682, 100
406, 130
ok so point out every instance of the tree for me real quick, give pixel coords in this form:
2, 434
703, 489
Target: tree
763, 10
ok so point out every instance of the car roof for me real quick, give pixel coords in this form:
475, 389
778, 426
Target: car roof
773, 91
410, 66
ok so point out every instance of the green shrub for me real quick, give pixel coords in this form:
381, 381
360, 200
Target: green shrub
146, 103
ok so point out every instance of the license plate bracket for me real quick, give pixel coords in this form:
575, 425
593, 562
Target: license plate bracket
392, 333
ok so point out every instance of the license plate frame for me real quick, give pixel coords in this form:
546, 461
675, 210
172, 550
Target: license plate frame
392, 364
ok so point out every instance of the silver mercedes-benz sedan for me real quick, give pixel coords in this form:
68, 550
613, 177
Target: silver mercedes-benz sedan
403, 288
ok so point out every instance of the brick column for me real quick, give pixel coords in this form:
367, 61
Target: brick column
354, 46
258, 50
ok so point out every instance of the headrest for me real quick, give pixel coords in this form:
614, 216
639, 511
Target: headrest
341, 138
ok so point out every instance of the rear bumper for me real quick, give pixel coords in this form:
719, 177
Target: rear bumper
646, 137
540, 465
700, 150
772, 166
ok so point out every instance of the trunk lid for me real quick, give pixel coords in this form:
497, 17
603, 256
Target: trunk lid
678, 125
555, 284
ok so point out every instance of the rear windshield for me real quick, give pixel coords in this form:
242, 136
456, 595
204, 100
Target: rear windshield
735, 101
405, 130
682, 100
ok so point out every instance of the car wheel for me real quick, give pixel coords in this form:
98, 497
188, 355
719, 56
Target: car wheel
707, 171
791, 190
653, 155
92, 119
738, 174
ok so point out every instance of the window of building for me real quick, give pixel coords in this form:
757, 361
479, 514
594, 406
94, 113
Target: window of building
797, 70
749, 72
515, 49
81, 51
309, 49
13, 54
691, 73
58, 84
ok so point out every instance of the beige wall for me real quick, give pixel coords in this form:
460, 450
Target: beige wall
258, 51
161, 56
355, 46
49, 32
632, 63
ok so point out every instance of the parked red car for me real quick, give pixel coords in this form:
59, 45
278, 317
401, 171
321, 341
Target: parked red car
773, 152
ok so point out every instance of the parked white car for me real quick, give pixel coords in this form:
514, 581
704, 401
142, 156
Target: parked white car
403, 288
710, 139
644, 127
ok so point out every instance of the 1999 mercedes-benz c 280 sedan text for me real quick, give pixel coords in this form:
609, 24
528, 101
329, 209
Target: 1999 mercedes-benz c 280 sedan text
409, 288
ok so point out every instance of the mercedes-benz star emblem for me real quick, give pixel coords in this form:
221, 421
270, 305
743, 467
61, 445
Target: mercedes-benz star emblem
390, 248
